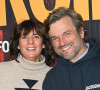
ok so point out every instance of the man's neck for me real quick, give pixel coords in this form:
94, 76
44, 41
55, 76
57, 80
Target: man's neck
82, 52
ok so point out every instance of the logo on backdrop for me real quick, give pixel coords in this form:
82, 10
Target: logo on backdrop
4, 45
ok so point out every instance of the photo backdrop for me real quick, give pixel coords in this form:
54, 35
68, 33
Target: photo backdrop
15, 11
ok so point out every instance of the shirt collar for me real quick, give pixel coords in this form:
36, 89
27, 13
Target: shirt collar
83, 53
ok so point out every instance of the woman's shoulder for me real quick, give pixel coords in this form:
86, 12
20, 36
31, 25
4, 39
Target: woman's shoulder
6, 64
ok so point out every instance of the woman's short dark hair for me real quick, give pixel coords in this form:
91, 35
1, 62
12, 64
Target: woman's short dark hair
27, 26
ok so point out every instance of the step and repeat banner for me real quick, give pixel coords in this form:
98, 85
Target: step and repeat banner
15, 11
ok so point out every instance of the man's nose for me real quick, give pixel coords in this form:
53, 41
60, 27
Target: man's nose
62, 41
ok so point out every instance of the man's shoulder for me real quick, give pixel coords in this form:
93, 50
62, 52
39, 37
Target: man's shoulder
55, 70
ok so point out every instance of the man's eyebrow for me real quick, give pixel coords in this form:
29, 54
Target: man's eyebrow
66, 32
62, 34
53, 37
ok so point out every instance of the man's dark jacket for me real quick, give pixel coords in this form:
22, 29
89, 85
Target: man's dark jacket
82, 75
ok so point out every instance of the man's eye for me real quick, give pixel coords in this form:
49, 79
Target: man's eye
54, 39
67, 34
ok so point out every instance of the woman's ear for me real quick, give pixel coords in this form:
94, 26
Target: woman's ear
18, 47
43, 46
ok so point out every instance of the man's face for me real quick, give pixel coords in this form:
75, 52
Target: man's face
65, 39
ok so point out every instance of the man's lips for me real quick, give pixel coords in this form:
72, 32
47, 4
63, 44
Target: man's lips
65, 48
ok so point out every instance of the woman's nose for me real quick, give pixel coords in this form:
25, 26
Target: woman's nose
31, 40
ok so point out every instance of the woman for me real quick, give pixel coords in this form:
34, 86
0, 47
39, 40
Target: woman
29, 58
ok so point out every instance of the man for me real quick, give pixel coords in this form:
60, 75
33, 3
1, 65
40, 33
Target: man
78, 67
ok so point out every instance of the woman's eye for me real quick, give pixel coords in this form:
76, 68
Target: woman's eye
36, 36
23, 37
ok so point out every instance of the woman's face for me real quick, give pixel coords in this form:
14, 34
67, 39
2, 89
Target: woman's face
31, 46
